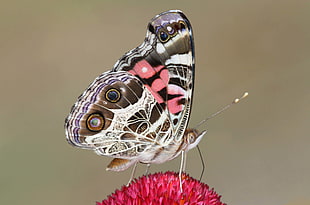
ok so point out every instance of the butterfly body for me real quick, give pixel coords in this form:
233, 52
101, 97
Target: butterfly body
139, 111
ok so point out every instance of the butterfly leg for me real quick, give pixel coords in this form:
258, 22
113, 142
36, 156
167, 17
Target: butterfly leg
202, 163
147, 169
133, 172
182, 168
184, 161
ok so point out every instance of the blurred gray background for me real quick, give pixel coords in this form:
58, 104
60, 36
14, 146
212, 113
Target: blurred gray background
256, 153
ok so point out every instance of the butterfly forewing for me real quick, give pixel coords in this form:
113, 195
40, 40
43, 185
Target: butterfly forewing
165, 64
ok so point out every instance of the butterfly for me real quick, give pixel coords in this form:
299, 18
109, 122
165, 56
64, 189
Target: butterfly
139, 110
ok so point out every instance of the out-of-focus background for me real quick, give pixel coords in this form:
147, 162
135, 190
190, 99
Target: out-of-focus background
256, 153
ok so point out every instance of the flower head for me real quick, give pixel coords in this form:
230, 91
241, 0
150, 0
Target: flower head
164, 188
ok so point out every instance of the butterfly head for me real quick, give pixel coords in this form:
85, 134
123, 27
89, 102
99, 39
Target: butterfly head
192, 137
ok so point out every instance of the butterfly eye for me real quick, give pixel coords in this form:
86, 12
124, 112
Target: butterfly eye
113, 95
95, 122
191, 138
163, 36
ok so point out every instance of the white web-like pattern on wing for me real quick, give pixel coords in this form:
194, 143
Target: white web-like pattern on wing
120, 125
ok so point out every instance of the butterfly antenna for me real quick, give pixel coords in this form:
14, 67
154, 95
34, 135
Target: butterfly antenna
235, 101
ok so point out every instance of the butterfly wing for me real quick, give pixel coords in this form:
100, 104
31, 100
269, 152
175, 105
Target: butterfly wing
164, 62
142, 106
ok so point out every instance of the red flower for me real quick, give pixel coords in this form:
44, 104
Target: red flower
164, 188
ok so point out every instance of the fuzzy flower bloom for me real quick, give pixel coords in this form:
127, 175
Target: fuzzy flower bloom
164, 188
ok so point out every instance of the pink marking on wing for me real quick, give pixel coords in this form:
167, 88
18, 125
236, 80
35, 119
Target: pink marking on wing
162, 82
157, 97
144, 69
158, 84
173, 104
164, 75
